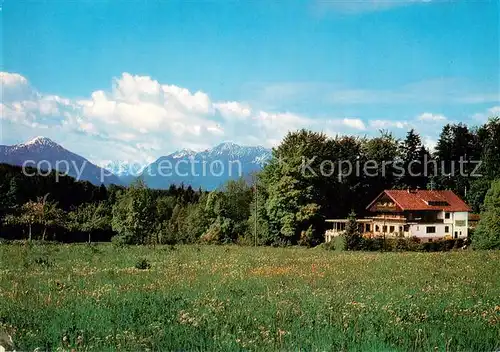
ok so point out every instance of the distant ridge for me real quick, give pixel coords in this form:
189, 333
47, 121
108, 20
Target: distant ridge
193, 168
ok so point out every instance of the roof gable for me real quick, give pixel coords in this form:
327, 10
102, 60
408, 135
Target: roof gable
423, 200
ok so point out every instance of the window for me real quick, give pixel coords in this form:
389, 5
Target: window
384, 230
446, 229
447, 215
367, 227
400, 228
377, 229
391, 229
438, 203
430, 229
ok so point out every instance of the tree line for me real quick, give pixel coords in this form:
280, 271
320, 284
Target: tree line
284, 204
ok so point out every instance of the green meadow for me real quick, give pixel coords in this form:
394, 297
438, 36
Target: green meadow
227, 298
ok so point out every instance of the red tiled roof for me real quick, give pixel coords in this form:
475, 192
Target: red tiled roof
418, 200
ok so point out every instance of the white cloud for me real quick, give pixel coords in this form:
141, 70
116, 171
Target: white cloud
15, 87
12, 79
382, 124
233, 109
484, 116
494, 111
354, 123
216, 130
427, 116
140, 118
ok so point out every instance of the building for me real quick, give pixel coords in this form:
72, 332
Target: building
474, 220
427, 215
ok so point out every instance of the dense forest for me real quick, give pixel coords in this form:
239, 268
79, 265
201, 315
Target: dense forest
307, 180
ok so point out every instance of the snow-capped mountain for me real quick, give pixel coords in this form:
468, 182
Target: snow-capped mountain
46, 154
38, 143
208, 169
255, 155
184, 153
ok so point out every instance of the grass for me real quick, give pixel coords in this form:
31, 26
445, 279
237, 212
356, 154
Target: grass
236, 298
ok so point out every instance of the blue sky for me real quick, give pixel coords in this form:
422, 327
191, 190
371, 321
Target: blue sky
191, 74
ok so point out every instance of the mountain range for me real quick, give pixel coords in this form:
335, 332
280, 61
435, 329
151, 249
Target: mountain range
207, 169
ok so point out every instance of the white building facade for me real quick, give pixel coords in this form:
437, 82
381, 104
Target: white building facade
426, 215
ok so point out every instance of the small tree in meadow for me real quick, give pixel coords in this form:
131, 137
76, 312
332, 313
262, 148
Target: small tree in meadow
134, 215
41, 212
352, 234
89, 218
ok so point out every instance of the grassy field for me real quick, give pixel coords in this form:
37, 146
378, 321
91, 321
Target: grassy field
235, 298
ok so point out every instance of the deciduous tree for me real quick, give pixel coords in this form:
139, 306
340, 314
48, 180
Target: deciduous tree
487, 234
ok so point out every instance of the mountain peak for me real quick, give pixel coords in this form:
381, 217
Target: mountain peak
183, 153
47, 155
227, 145
40, 141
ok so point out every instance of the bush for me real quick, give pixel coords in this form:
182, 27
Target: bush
441, 246
329, 246
339, 243
119, 241
307, 238
93, 248
143, 264
246, 240
401, 245
410, 244
413, 243
372, 244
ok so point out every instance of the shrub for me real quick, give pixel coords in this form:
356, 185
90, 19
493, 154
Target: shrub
372, 244
401, 245
143, 264
329, 246
413, 243
389, 244
307, 237
441, 246
410, 244
246, 240
119, 241
339, 243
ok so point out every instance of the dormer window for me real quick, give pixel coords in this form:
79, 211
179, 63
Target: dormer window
447, 215
437, 203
